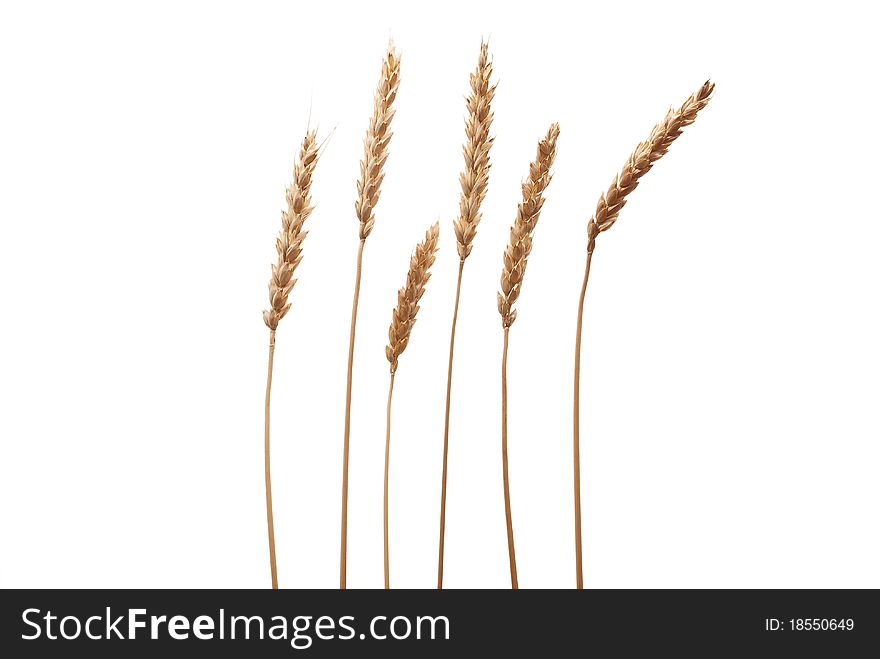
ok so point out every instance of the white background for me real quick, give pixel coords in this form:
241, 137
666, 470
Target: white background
731, 427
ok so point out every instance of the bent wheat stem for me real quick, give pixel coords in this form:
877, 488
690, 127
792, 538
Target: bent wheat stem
607, 211
577, 423
511, 551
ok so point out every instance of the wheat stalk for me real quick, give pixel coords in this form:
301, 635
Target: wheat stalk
289, 248
402, 320
474, 180
368, 189
607, 211
516, 258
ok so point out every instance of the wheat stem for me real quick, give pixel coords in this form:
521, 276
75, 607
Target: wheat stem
510, 548
606, 214
577, 424
345, 445
288, 246
446, 428
403, 318
516, 258
369, 187
474, 182
269, 518
387, 456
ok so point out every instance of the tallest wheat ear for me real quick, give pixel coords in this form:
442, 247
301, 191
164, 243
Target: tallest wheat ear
474, 181
289, 248
516, 258
607, 211
368, 188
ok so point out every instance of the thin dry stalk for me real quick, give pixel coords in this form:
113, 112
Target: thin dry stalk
607, 211
368, 188
289, 248
385, 496
402, 320
269, 519
516, 258
474, 181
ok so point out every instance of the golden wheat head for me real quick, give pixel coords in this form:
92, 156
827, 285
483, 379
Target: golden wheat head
290, 239
376, 142
516, 255
475, 177
404, 316
643, 158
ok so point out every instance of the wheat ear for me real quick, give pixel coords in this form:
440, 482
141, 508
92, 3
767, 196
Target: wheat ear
368, 188
516, 257
607, 211
402, 320
289, 248
474, 180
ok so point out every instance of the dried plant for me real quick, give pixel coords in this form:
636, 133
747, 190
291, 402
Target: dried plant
475, 177
474, 183
516, 257
368, 189
289, 248
607, 211
402, 320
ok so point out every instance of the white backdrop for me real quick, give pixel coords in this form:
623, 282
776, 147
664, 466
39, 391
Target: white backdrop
730, 417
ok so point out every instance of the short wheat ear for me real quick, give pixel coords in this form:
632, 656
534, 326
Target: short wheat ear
516, 257
402, 320
289, 248
474, 180
607, 211
368, 188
